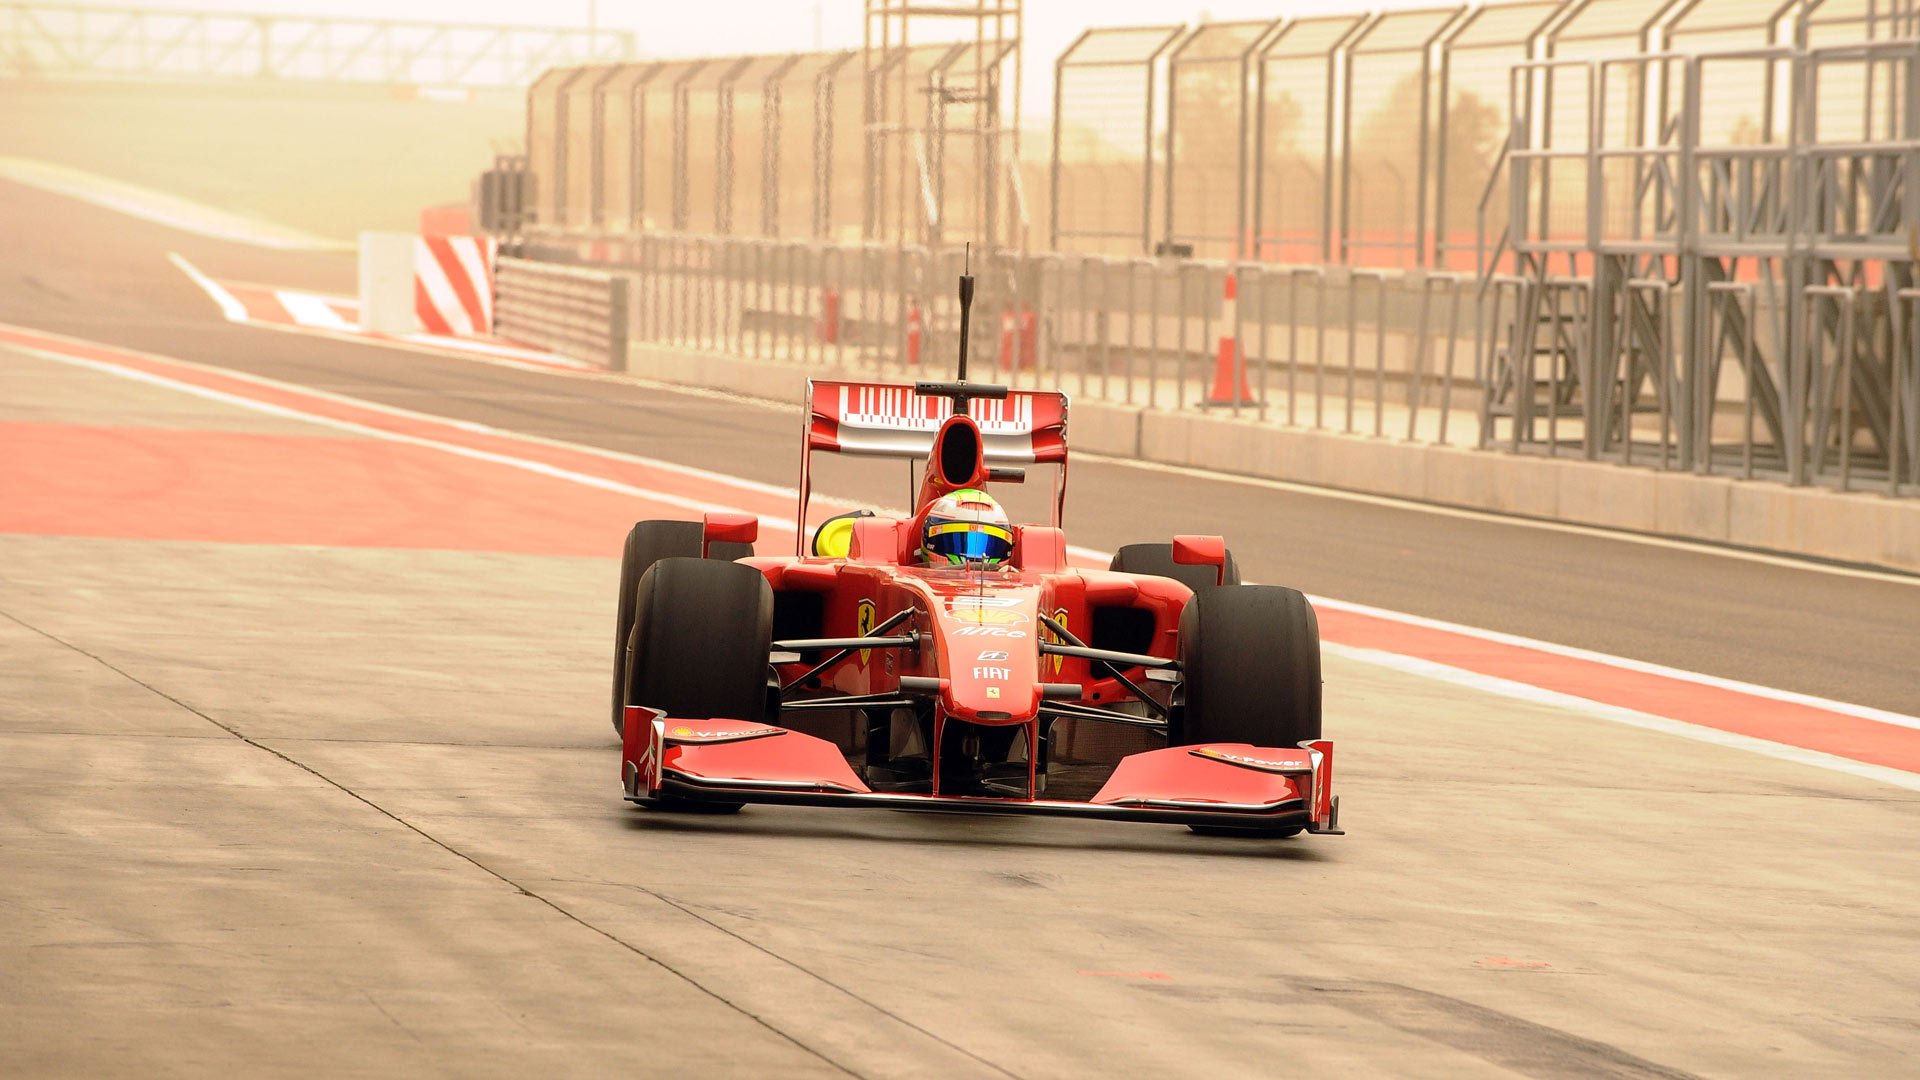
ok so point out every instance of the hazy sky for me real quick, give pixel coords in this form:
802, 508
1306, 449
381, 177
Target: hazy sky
675, 28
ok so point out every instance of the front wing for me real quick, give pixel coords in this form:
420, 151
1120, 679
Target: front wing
1232, 785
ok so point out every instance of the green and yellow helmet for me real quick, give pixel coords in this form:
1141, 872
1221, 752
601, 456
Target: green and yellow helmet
966, 526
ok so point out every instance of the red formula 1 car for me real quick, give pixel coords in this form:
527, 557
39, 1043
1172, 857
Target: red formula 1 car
854, 674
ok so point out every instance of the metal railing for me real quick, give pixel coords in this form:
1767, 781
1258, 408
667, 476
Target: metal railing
578, 313
1713, 303
1365, 353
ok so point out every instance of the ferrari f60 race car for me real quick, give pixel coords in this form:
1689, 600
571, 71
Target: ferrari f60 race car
853, 674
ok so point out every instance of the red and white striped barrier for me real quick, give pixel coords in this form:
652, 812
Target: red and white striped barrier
453, 285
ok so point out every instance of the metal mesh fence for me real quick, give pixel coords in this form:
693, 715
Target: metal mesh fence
1296, 190
1387, 139
1102, 190
1470, 201
1687, 222
1209, 85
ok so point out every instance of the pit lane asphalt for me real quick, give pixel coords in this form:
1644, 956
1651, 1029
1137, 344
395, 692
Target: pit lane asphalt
75, 269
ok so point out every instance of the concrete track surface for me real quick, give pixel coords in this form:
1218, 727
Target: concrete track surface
304, 771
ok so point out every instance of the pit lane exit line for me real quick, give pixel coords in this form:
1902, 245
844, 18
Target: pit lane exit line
1867, 742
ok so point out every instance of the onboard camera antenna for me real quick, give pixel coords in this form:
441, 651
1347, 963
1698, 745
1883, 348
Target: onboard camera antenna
966, 321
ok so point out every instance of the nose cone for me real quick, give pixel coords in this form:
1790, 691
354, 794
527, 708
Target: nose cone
990, 639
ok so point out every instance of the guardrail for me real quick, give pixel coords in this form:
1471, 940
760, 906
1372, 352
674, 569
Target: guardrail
578, 313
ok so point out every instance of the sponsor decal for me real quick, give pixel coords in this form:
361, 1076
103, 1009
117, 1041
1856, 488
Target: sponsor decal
993, 654
897, 408
992, 673
685, 734
864, 620
993, 691
1262, 764
1046, 633
986, 631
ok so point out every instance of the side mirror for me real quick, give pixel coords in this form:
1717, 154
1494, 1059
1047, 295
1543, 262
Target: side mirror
1202, 551
727, 528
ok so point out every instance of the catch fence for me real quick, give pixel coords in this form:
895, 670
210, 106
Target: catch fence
1677, 233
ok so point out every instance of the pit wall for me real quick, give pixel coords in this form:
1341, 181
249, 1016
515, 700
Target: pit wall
1852, 527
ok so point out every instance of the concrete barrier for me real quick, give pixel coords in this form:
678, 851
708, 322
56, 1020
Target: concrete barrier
1855, 527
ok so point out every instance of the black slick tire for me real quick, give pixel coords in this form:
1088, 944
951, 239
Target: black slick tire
647, 543
1250, 659
702, 633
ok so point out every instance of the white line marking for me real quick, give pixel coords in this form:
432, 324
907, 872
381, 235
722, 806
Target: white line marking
310, 310
1489, 684
232, 309
532, 359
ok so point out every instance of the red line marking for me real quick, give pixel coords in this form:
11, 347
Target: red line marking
1788, 722
1509, 962
252, 488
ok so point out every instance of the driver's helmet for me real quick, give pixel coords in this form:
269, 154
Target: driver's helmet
966, 526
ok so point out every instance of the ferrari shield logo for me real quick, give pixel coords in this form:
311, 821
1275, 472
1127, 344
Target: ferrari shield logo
863, 623
1058, 615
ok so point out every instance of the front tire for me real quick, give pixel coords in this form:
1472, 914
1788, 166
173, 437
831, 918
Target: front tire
702, 634
647, 543
1251, 663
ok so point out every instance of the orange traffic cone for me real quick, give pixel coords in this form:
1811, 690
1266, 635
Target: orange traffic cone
828, 327
916, 330
1227, 370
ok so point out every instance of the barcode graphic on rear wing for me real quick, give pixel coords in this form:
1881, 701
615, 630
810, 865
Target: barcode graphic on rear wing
900, 409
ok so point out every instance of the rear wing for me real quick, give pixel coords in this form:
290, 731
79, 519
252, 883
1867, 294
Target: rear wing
872, 419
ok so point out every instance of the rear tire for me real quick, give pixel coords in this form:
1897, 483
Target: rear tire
647, 543
1251, 664
1157, 560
